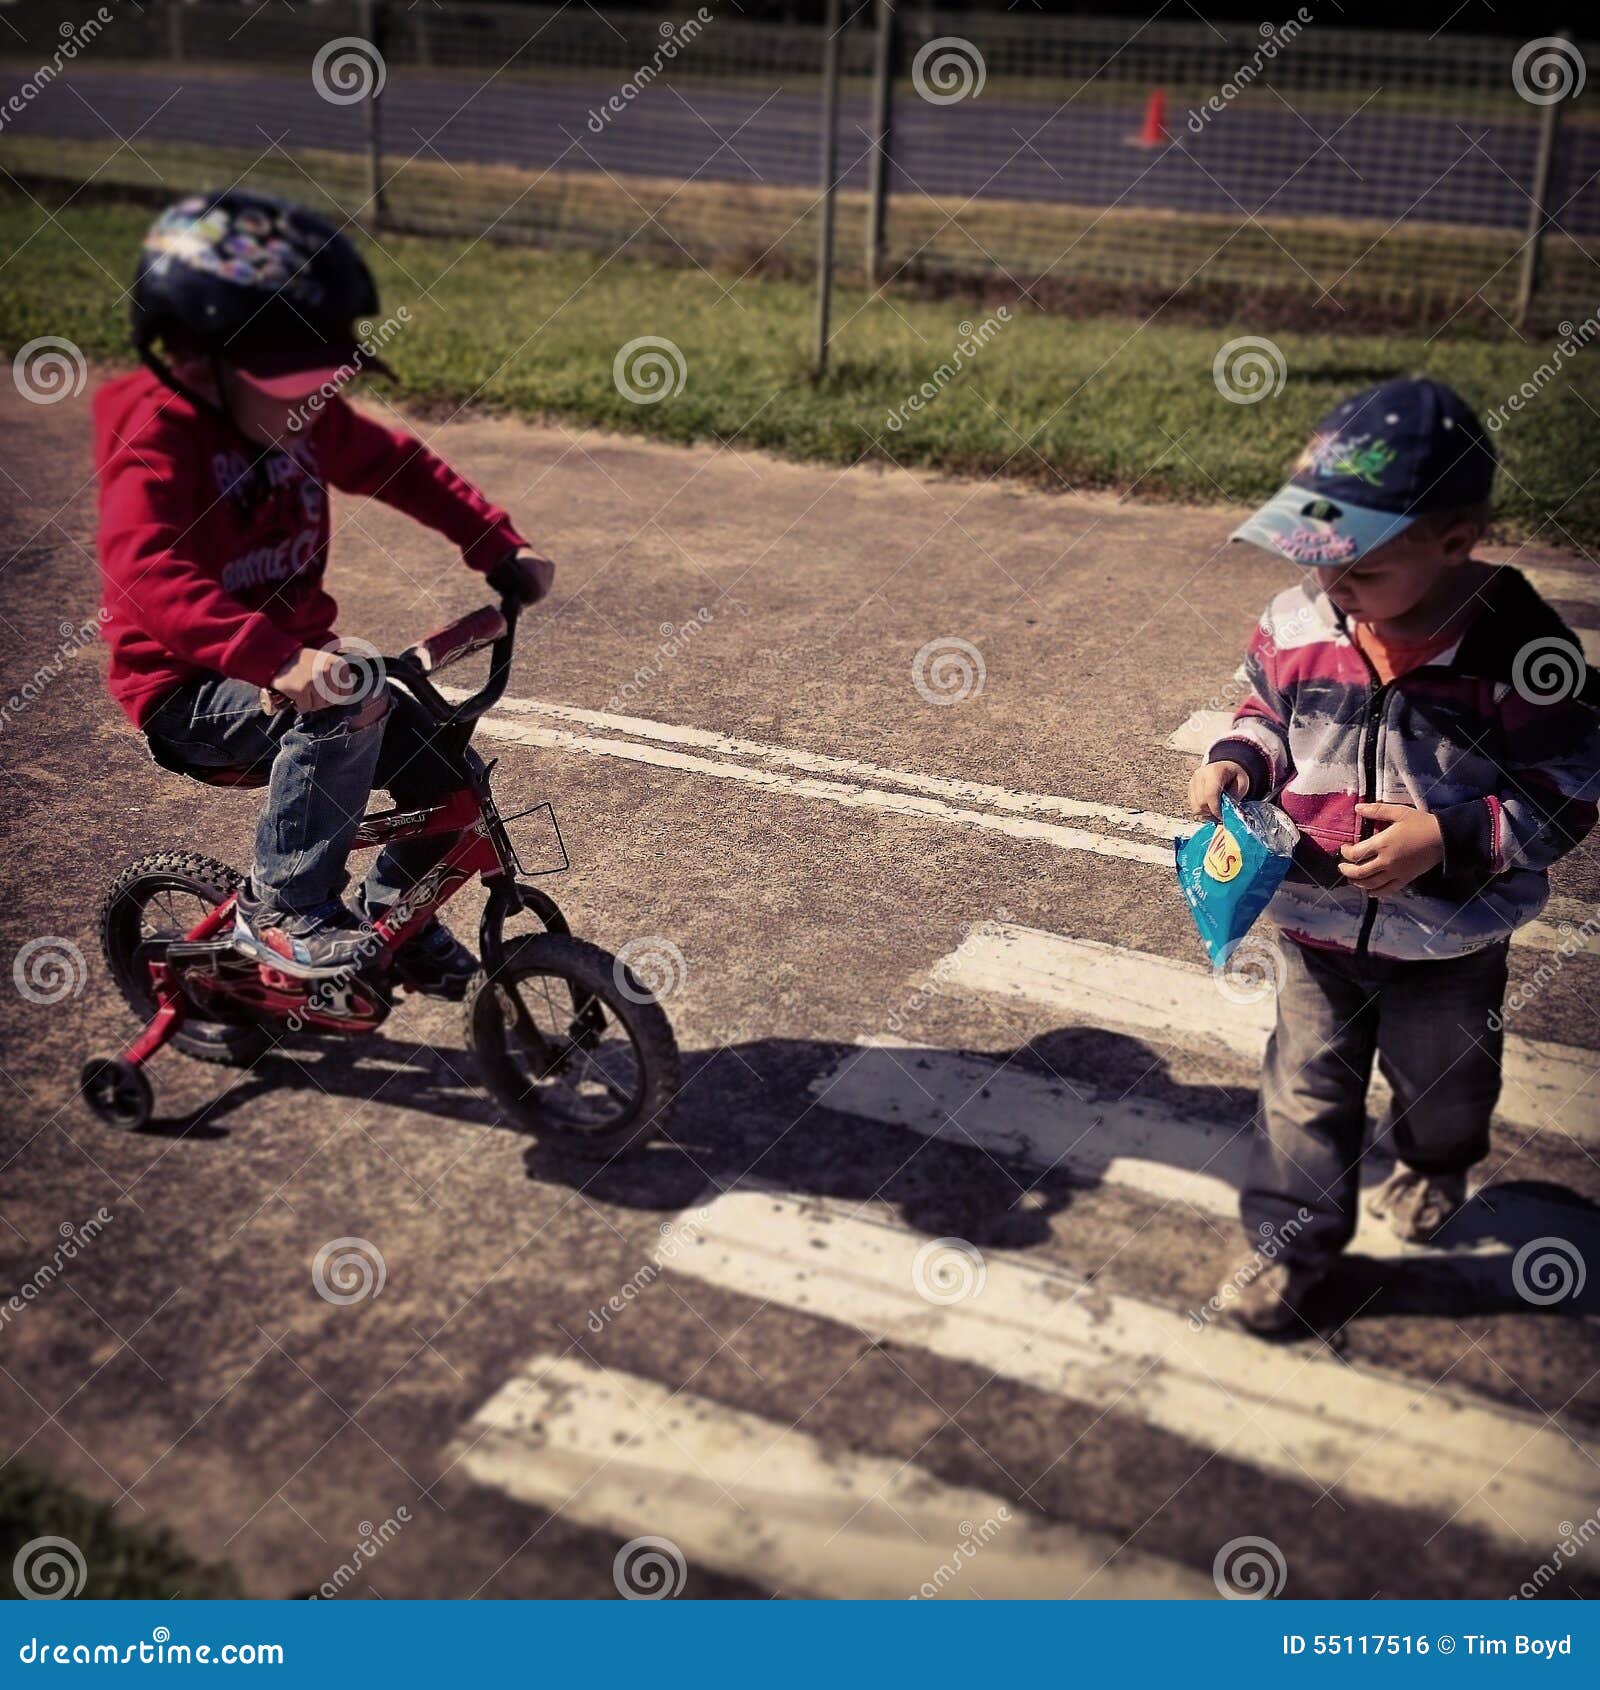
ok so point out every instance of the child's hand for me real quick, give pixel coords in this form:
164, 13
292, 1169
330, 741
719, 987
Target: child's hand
314, 679
524, 576
1211, 780
1407, 845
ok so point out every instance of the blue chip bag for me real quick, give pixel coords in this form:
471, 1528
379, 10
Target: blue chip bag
1228, 871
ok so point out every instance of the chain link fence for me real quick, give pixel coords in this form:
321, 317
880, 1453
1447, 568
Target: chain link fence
1328, 175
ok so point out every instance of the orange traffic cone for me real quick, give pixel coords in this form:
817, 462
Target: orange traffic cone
1154, 132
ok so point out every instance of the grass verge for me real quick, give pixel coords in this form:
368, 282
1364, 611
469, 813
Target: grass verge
1103, 402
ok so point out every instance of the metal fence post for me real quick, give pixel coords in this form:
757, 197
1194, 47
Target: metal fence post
830, 166
373, 16
883, 69
1539, 202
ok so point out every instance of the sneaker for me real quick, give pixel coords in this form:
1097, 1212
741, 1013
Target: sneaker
433, 961
1267, 1297
1417, 1206
313, 945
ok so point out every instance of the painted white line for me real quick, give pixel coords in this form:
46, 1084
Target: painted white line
1545, 1085
830, 792
1037, 804
1321, 1423
747, 1496
1090, 1136
924, 795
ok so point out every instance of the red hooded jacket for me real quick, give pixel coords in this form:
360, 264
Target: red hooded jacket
206, 570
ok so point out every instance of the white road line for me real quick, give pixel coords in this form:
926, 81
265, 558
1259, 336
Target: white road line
927, 796
1036, 804
831, 792
758, 1500
1545, 1084
1319, 1422
1041, 1122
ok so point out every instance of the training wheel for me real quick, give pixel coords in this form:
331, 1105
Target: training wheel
117, 1092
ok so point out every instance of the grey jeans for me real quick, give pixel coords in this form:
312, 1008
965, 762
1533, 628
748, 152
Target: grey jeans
322, 770
1433, 1030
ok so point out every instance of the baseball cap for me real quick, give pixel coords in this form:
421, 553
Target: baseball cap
293, 371
1374, 464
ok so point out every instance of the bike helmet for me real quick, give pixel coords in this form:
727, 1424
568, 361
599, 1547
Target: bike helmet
272, 288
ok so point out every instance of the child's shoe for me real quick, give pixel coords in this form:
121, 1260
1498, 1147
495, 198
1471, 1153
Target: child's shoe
436, 963
1267, 1297
315, 945
1418, 1205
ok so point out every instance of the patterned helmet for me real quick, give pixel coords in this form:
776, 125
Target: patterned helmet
273, 288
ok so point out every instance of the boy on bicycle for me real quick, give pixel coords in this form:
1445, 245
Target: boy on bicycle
214, 461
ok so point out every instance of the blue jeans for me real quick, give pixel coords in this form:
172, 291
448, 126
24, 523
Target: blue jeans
323, 768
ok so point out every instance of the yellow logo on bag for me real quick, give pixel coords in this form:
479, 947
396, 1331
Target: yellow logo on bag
1223, 858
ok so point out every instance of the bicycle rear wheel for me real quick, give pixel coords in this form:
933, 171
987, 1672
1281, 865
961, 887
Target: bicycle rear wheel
151, 903
572, 1046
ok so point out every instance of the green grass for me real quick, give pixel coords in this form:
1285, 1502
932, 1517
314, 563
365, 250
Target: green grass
119, 1561
1099, 402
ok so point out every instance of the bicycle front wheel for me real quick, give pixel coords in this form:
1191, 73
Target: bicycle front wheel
572, 1046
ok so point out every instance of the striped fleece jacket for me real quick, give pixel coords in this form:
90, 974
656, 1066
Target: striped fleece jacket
1495, 736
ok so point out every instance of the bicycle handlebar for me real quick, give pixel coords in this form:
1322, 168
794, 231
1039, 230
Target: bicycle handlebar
485, 626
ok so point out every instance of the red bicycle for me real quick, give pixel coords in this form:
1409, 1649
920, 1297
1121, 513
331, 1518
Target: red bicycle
570, 1043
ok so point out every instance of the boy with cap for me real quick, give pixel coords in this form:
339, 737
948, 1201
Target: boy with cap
1429, 724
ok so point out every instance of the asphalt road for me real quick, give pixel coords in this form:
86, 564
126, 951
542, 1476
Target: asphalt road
1367, 163
870, 1311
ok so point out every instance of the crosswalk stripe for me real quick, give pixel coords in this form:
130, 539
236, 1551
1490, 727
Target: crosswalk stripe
1545, 1084
1141, 1145
1322, 1423
656, 744
756, 1499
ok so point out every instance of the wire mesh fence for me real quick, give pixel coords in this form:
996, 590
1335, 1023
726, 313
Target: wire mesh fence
1303, 166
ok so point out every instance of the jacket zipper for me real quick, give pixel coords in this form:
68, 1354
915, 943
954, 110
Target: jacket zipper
1377, 702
